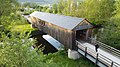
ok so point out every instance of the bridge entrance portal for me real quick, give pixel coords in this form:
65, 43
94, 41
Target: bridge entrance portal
81, 34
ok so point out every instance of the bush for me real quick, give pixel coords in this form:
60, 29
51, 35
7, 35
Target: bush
16, 51
21, 28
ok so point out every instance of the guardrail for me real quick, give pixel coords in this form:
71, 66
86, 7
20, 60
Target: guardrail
105, 47
99, 57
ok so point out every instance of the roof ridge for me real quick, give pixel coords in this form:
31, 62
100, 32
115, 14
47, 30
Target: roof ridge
63, 21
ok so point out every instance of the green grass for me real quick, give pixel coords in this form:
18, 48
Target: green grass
61, 60
21, 28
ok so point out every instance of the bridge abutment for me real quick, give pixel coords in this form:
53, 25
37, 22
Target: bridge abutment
72, 54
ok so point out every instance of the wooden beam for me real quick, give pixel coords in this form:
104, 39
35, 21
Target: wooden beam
83, 27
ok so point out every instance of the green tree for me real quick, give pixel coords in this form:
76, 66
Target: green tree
45, 8
54, 8
7, 10
111, 32
66, 4
49, 10
15, 50
116, 17
97, 11
29, 4
39, 8
7, 6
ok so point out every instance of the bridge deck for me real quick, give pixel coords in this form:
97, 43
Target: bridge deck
103, 55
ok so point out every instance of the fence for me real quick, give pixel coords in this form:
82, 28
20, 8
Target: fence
105, 47
97, 56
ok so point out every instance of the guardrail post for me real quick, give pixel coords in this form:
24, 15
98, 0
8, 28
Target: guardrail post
89, 40
85, 51
111, 64
96, 58
76, 43
111, 49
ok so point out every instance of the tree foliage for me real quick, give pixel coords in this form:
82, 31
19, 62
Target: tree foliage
8, 9
54, 8
97, 11
7, 6
29, 4
116, 16
15, 50
111, 32
110, 35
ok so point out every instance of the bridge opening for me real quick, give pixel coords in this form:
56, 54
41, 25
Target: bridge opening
81, 35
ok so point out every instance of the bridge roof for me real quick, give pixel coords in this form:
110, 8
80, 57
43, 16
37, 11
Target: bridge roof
66, 22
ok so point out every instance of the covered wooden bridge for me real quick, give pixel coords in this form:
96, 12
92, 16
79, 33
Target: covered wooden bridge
72, 32
65, 29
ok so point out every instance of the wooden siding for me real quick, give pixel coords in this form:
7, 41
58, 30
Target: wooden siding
62, 35
83, 25
65, 36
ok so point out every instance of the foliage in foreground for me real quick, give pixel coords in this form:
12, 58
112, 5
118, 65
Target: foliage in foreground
7, 6
15, 51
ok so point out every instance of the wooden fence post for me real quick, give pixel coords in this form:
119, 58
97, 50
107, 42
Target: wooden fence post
111, 49
76, 43
85, 51
111, 64
96, 58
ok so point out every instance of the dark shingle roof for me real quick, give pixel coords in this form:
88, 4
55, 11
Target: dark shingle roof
66, 22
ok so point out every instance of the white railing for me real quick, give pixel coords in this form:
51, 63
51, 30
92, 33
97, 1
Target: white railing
99, 57
105, 47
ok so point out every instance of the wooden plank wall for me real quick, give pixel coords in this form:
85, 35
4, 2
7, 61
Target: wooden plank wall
62, 35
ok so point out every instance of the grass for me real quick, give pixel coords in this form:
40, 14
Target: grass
21, 28
61, 59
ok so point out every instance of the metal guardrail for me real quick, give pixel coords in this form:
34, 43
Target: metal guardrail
97, 56
105, 47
